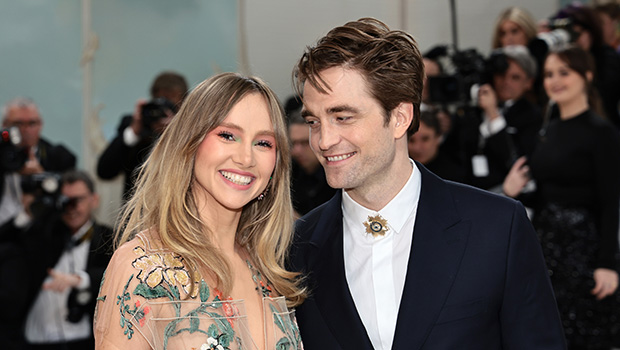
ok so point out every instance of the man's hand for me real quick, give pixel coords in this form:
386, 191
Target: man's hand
136, 122
32, 165
61, 281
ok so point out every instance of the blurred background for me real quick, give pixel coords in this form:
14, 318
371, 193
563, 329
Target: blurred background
85, 62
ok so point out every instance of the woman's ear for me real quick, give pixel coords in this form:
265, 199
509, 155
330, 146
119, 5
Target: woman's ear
589, 76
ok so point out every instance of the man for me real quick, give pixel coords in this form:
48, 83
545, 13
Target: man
424, 147
401, 259
34, 154
503, 134
68, 253
309, 187
137, 132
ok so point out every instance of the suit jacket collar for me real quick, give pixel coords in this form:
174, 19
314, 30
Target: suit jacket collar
437, 248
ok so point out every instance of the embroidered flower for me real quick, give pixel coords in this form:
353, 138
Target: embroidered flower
155, 268
212, 343
140, 314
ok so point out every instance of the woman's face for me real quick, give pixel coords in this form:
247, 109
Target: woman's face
236, 159
510, 33
562, 84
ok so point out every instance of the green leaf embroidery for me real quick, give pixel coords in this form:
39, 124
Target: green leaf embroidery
204, 291
277, 318
147, 292
194, 324
283, 344
212, 331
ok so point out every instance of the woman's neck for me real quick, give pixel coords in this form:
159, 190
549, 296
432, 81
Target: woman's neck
222, 225
573, 108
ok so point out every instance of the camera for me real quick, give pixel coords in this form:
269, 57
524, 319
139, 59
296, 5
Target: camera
12, 157
468, 69
154, 111
561, 33
45, 187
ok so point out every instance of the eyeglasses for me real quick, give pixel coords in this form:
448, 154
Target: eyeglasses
29, 123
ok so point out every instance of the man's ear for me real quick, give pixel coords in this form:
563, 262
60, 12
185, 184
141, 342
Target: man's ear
402, 117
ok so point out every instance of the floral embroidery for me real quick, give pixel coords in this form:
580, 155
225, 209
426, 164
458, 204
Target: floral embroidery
163, 277
125, 310
155, 268
265, 288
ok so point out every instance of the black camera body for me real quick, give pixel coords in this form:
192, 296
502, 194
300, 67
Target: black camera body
46, 188
154, 111
470, 69
12, 157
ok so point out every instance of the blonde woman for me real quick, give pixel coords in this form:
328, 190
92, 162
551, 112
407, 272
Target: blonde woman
203, 239
514, 26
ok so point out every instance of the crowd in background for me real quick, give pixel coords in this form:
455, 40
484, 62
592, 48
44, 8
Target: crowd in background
536, 119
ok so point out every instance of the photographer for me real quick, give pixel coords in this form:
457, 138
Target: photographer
137, 132
61, 254
510, 121
30, 155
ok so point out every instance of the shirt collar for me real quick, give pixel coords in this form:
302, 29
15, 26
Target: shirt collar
396, 212
82, 231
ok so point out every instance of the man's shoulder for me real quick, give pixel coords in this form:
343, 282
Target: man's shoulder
472, 198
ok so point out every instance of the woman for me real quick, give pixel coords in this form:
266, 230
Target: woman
203, 239
514, 26
576, 166
586, 26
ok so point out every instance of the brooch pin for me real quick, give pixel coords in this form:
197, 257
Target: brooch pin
376, 226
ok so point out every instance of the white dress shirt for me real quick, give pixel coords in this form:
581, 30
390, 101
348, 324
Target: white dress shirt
47, 320
376, 267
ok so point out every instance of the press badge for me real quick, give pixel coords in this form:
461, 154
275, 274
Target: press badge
480, 165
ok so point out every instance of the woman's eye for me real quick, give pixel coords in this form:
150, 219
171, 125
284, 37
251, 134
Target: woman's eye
226, 136
264, 143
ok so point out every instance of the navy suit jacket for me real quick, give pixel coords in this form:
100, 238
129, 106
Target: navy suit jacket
476, 278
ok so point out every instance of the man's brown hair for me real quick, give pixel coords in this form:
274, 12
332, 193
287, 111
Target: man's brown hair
388, 59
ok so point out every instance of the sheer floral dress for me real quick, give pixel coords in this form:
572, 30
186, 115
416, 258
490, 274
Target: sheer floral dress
148, 303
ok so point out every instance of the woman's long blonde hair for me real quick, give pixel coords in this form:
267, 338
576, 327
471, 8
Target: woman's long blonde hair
163, 200
518, 15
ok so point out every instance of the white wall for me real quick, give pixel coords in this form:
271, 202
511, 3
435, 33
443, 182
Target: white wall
278, 30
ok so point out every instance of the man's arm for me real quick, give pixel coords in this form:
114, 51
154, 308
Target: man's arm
529, 316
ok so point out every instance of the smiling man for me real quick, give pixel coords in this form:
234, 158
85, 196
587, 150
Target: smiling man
400, 259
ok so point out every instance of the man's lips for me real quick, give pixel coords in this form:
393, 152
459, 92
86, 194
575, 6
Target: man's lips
339, 157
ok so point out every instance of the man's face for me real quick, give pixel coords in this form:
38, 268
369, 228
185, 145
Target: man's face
348, 132
424, 144
28, 121
81, 205
512, 84
301, 151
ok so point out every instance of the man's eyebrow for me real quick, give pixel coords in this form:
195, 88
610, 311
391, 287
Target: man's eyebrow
306, 113
342, 108
332, 110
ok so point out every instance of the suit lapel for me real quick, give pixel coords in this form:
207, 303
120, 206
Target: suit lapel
438, 245
332, 293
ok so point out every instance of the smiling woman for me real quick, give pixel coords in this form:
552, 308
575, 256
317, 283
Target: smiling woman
203, 239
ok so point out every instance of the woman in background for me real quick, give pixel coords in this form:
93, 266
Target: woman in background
576, 167
203, 239
514, 26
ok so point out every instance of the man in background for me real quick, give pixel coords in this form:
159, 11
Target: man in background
137, 132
